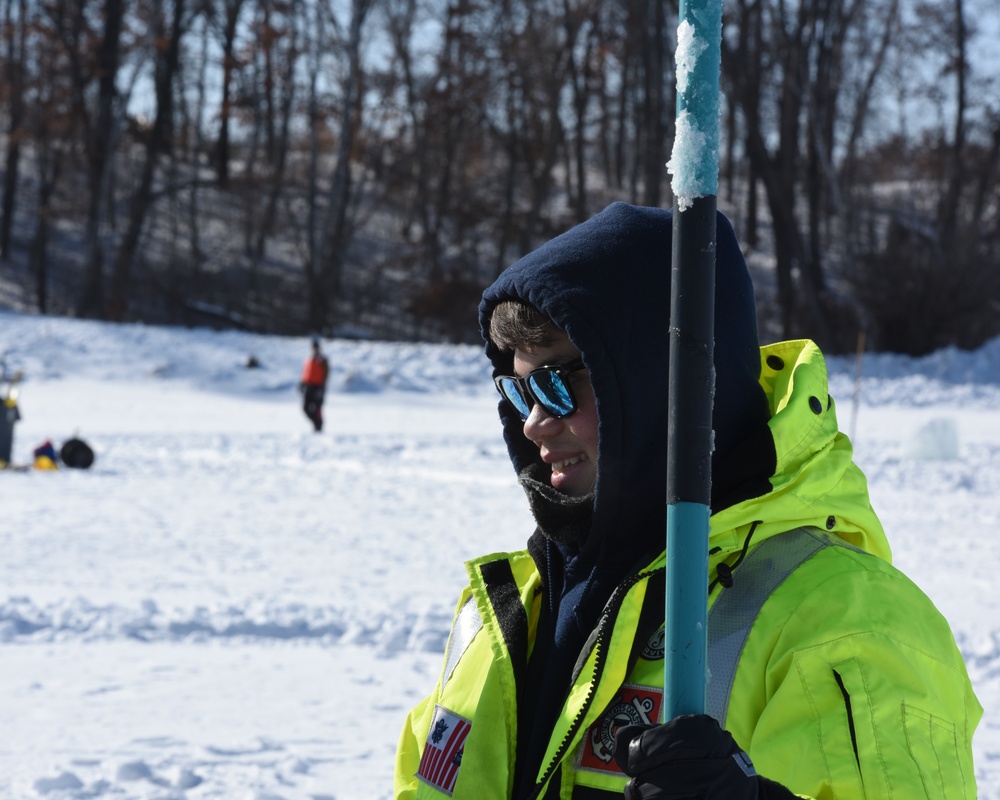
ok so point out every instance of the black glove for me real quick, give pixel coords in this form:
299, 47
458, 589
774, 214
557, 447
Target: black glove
689, 758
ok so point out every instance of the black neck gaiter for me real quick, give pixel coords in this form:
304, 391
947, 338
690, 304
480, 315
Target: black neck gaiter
563, 519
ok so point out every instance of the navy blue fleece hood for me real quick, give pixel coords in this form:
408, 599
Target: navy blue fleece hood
606, 283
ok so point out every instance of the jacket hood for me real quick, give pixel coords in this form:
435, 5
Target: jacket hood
815, 482
606, 283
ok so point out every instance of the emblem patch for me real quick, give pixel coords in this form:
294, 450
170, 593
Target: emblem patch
442, 756
635, 705
655, 647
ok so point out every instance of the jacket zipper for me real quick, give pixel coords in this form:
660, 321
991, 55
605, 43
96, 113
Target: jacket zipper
606, 623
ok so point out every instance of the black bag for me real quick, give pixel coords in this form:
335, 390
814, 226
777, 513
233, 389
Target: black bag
77, 453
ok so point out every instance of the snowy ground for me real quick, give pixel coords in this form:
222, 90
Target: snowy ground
231, 606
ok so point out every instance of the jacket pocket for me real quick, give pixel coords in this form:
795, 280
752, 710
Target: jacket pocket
933, 744
860, 722
931, 741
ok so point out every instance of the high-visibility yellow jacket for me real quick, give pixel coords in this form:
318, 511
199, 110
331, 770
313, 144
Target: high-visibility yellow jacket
846, 681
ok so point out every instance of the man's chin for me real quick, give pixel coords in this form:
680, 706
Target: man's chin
572, 482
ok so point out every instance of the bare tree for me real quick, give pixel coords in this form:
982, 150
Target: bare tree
15, 27
49, 126
283, 50
226, 21
958, 66
167, 24
581, 24
539, 63
336, 226
99, 130
788, 66
932, 276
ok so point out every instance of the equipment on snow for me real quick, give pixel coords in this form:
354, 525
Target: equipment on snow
77, 454
45, 456
9, 414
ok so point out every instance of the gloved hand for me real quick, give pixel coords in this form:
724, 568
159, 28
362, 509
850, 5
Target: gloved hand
689, 758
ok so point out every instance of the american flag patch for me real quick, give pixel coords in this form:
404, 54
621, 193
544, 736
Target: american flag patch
442, 756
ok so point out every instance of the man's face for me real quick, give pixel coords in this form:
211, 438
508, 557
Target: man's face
568, 445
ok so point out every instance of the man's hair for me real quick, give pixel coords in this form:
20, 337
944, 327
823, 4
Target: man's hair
515, 325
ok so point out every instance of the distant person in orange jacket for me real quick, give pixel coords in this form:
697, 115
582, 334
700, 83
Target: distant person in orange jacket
313, 385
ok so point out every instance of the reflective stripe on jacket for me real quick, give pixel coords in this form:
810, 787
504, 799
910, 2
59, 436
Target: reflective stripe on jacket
846, 682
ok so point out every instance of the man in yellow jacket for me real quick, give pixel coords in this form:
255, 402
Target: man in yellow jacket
831, 675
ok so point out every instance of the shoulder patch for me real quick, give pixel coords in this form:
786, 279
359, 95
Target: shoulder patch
442, 757
655, 647
634, 705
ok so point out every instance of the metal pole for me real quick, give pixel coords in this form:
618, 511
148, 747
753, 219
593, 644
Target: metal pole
694, 164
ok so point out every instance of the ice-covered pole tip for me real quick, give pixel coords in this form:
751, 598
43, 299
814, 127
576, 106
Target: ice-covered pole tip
694, 160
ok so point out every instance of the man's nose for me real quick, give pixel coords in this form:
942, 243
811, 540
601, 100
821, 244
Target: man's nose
539, 422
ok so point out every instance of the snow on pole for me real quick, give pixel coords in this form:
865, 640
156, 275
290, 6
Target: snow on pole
694, 160
694, 164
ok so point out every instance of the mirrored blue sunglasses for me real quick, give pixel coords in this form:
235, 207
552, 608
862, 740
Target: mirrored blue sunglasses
546, 386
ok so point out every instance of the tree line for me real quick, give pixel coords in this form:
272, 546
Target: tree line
365, 167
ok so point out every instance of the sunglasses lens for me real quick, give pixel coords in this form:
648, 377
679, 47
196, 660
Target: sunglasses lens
552, 392
512, 393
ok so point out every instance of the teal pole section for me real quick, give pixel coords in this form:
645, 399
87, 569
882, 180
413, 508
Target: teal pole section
687, 587
694, 165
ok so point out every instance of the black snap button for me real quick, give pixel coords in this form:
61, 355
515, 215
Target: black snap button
775, 362
830, 522
815, 405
